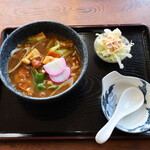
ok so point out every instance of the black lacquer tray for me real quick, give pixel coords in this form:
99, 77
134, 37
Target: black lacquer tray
79, 115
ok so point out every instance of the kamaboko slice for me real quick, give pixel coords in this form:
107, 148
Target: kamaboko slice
55, 67
61, 77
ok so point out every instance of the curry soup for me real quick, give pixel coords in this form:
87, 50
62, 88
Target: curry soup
44, 65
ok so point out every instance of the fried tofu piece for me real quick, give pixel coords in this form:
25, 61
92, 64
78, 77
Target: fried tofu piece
48, 59
40, 36
33, 53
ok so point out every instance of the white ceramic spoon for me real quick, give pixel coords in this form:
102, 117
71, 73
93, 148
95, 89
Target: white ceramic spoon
131, 100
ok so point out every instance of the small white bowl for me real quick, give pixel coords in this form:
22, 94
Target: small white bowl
113, 86
114, 48
97, 46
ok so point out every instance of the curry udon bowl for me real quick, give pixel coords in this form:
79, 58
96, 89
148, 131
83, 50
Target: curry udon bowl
29, 30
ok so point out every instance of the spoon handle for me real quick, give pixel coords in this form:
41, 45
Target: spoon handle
105, 132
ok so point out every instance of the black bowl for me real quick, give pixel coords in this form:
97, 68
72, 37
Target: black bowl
28, 30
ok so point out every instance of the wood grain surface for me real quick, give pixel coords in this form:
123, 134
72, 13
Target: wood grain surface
14, 13
74, 12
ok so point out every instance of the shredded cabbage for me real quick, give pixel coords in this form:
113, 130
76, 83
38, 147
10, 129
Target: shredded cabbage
112, 46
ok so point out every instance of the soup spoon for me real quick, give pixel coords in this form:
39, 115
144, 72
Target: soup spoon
131, 100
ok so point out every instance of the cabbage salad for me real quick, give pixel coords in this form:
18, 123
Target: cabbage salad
111, 46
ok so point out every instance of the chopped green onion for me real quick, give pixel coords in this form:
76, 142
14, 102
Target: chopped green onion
53, 87
30, 41
61, 51
41, 86
67, 53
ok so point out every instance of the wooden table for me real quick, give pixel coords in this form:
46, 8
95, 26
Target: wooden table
14, 13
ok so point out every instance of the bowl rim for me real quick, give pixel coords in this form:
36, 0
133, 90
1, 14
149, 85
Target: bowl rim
51, 98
